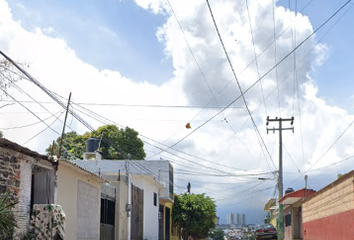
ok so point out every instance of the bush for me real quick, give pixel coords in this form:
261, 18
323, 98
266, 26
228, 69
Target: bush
7, 216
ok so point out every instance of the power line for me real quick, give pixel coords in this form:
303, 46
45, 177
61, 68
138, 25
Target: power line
31, 124
237, 81
41, 131
133, 105
255, 55
330, 147
28, 110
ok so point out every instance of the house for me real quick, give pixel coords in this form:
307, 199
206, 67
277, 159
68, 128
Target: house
292, 212
328, 213
69, 194
30, 177
270, 207
144, 196
79, 194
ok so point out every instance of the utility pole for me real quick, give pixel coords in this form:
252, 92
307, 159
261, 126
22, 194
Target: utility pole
280, 173
62, 134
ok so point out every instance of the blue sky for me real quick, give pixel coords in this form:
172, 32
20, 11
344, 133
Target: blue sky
335, 84
108, 34
120, 60
120, 35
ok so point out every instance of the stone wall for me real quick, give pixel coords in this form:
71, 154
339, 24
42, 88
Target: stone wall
9, 172
16, 176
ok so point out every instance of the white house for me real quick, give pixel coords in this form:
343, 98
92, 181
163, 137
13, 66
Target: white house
144, 196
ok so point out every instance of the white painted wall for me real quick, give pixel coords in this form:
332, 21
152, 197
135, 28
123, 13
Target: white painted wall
69, 178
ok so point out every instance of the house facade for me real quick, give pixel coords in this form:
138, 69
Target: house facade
144, 196
292, 213
329, 213
79, 194
31, 179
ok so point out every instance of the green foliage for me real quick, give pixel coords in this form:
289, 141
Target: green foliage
116, 144
195, 213
339, 175
1, 135
7, 216
217, 234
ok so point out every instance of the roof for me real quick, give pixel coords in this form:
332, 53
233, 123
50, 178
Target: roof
72, 164
271, 202
293, 197
333, 184
4, 143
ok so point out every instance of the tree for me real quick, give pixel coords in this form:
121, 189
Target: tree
217, 234
195, 213
115, 143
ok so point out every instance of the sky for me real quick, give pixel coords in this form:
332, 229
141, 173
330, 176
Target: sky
156, 65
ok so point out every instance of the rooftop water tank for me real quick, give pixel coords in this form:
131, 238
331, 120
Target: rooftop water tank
92, 145
289, 190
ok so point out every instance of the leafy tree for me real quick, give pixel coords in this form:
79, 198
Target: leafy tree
195, 213
217, 234
115, 143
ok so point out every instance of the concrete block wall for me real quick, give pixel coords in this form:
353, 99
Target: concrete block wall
337, 199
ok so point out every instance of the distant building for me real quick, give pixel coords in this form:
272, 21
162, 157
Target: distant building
236, 219
243, 219
230, 218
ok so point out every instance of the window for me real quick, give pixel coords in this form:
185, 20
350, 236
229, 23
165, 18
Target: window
288, 220
155, 199
170, 189
107, 211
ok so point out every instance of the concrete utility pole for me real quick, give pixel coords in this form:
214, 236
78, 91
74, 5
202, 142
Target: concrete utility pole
280, 173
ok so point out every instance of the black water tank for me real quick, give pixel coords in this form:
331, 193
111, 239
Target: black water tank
289, 190
92, 144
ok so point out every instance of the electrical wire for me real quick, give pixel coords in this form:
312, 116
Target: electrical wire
255, 56
55, 120
238, 84
31, 124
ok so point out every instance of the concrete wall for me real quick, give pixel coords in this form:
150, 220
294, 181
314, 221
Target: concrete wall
329, 214
72, 183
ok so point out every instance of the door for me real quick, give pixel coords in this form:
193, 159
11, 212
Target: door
161, 226
137, 216
167, 223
